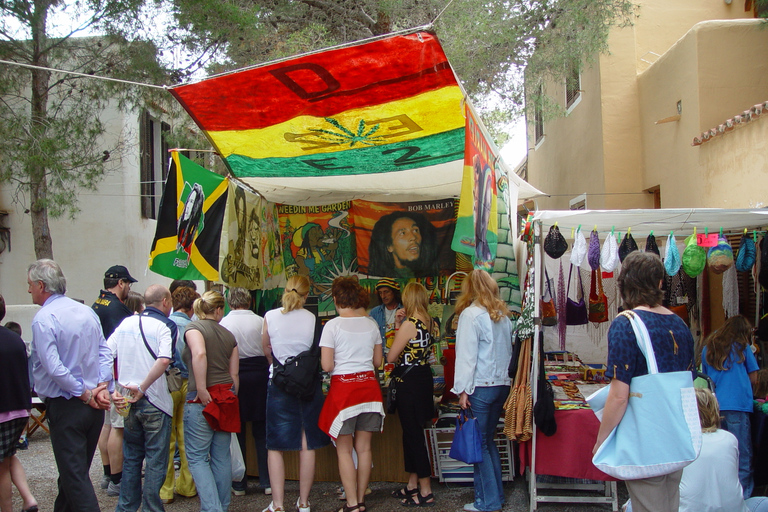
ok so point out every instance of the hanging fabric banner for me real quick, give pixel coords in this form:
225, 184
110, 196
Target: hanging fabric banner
318, 242
477, 222
189, 223
404, 240
249, 245
391, 104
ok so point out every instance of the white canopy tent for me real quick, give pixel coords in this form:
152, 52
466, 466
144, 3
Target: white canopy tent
661, 221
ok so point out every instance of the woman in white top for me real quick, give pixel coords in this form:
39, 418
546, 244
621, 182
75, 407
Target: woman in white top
483, 351
291, 421
711, 482
350, 350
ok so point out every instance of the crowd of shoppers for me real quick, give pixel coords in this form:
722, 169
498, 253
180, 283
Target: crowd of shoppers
183, 377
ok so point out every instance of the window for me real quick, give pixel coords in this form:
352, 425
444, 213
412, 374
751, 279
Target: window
578, 202
538, 116
153, 163
572, 87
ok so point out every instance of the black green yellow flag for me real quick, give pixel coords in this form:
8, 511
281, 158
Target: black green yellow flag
188, 235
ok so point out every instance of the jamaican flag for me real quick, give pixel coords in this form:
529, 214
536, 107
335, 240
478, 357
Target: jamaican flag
186, 244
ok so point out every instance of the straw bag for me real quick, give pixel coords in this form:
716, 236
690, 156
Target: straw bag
518, 417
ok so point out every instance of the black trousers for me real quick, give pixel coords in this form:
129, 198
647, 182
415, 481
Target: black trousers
414, 408
75, 429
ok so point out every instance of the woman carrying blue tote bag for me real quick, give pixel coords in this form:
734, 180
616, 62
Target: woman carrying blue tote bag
466, 445
649, 420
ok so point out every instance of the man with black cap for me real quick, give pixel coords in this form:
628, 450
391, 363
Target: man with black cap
109, 306
111, 311
388, 291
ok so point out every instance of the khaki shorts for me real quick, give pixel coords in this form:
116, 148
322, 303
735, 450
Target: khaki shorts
112, 417
365, 422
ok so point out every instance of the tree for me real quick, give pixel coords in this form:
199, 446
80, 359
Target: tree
51, 136
489, 42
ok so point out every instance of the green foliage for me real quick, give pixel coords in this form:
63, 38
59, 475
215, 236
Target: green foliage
490, 43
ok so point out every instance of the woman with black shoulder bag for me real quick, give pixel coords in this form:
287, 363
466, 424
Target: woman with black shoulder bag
415, 406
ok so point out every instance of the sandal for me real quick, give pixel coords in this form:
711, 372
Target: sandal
417, 500
346, 508
404, 493
362, 506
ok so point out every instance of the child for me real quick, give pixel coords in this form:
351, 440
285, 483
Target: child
728, 360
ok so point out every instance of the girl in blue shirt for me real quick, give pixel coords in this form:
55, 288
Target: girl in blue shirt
728, 359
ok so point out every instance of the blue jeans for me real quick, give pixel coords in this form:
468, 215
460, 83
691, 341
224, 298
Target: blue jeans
487, 404
209, 459
146, 435
737, 423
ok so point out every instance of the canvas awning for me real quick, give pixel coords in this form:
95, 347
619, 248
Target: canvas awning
681, 221
381, 120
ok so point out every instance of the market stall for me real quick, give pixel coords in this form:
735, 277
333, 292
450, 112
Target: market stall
322, 150
567, 454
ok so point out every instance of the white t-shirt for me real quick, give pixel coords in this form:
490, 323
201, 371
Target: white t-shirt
711, 482
134, 360
352, 340
246, 326
290, 333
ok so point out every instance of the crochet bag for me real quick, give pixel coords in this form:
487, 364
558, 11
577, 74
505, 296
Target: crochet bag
555, 244
694, 257
593, 253
576, 311
548, 310
627, 246
598, 302
651, 245
745, 258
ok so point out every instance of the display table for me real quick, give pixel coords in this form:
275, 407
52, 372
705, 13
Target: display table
568, 454
387, 449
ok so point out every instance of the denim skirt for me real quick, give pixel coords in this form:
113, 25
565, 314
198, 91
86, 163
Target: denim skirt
288, 416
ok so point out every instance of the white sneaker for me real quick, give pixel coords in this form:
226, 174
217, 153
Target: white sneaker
105, 481
238, 492
268, 491
300, 508
272, 508
470, 507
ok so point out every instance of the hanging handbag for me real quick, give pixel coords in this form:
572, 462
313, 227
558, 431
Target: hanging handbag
544, 410
575, 311
467, 441
660, 431
598, 302
548, 310
518, 408
554, 243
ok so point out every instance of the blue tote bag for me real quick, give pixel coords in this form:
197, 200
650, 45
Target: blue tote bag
466, 439
660, 430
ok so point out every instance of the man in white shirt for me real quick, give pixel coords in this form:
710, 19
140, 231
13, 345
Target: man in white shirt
143, 347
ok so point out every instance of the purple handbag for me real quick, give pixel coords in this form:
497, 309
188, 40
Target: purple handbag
576, 311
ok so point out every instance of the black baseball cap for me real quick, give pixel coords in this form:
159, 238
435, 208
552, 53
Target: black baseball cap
119, 272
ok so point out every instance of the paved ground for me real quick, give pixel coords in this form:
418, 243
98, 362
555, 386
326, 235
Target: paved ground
41, 472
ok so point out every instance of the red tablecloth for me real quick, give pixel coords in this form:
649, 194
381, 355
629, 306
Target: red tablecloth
568, 453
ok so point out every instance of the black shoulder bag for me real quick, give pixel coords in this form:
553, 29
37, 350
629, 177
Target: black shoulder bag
299, 374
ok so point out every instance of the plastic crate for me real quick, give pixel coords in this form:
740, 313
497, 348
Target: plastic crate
447, 469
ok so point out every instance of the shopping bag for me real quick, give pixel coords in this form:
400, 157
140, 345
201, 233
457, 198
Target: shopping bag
660, 431
238, 464
466, 445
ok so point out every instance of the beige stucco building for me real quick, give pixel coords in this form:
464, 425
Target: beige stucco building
115, 226
691, 64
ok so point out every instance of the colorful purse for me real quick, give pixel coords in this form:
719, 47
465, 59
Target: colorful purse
575, 311
548, 310
598, 302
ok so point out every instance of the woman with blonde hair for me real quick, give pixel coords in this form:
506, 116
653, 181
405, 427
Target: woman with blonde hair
413, 380
483, 351
212, 357
291, 421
